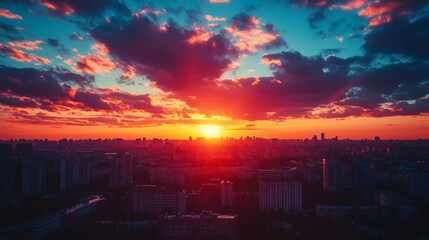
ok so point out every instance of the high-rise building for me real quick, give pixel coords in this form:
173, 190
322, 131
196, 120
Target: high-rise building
198, 227
322, 136
7, 178
24, 150
5, 149
77, 170
337, 174
120, 167
227, 194
34, 177
169, 176
154, 200
281, 195
216, 194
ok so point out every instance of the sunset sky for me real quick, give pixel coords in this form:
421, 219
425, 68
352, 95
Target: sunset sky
173, 69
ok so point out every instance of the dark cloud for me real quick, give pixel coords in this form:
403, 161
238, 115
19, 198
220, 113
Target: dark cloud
316, 17
193, 16
335, 28
51, 90
53, 42
316, 3
30, 82
396, 89
401, 36
299, 84
244, 21
249, 35
65, 76
76, 36
56, 44
93, 8
404, 108
7, 28
91, 100
18, 102
329, 51
166, 56
134, 102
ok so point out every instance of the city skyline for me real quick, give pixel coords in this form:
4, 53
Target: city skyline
286, 69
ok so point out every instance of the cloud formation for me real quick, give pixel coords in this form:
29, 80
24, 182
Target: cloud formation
8, 14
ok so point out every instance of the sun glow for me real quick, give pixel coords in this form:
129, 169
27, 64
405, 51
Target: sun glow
210, 131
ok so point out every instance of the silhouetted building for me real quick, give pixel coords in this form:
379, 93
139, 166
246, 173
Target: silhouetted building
198, 227
34, 182
168, 176
337, 174
7, 178
5, 149
24, 150
109, 170
216, 194
77, 167
344, 212
280, 195
154, 200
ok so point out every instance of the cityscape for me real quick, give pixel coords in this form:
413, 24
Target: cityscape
220, 188
214, 119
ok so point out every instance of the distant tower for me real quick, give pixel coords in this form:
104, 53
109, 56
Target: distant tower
322, 136
190, 139
377, 138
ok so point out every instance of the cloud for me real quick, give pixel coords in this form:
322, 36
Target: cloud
27, 45
352, 5
17, 102
93, 64
165, 54
410, 38
76, 36
21, 56
377, 12
300, 86
132, 102
86, 8
249, 35
7, 28
330, 51
61, 90
53, 42
8, 14
30, 82
96, 62
214, 19
316, 17
91, 100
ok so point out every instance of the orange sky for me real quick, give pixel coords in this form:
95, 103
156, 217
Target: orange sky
398, 127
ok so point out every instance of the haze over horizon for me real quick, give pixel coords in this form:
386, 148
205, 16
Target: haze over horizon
287, 69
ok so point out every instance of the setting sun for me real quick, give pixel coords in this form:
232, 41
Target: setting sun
210, 131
